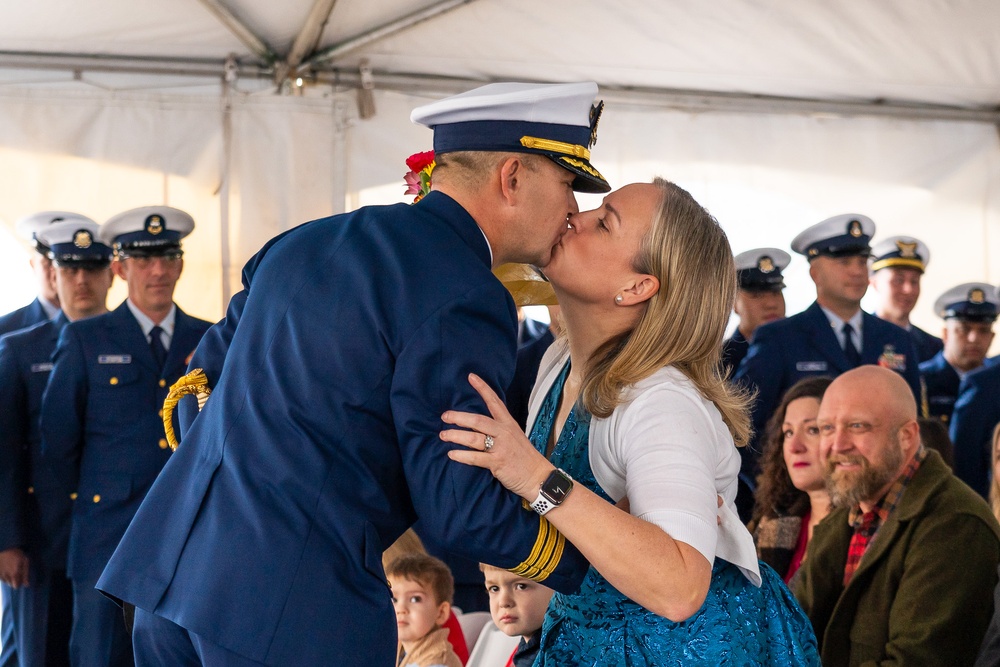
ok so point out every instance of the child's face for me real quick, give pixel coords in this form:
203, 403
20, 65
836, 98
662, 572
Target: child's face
517, 604
417, 612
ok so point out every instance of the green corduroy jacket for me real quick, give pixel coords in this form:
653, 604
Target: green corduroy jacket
922, 593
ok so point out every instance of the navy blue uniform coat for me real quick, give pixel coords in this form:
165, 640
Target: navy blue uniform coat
941, 382
101, 428
976, 414
927, 345
319, 445
734, 350
804, 345
22, 318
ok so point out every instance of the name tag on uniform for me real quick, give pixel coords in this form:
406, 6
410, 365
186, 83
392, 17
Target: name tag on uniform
41, 368
114, 359
811, 366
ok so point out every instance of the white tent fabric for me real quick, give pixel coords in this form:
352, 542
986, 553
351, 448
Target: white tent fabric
249, 163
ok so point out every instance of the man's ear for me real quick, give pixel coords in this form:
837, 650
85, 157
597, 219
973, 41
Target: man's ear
118, 269
909, 434
813, 270
511, 176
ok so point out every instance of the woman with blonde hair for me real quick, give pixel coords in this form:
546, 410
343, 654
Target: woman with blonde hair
632, 411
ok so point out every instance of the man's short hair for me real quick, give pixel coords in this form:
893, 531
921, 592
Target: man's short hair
425, 570
472, 168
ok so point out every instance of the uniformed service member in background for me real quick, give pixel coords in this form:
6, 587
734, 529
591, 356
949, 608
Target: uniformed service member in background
969, 311
976, 414
34, 523
759, 299
102, 433
896, 266
46, 304
833, 335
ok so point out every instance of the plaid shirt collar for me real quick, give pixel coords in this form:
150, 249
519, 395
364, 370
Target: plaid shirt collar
884, 507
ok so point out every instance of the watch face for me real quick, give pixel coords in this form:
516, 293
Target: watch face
556, 487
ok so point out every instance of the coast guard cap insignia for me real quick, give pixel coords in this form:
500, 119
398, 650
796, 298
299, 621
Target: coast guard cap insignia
976, 295
854, 228
83, 239
907, 250
765, 265
154, 224
595, 117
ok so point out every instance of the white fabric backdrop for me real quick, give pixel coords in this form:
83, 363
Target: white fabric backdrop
293, 159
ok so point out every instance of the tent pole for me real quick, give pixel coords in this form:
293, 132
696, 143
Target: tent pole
225, 254
250, 39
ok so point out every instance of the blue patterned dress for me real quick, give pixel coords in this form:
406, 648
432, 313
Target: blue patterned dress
739, 624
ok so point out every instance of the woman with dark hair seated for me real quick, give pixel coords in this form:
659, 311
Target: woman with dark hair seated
791, 494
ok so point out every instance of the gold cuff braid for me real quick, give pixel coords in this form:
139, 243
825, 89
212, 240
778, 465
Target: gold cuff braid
195, 382
545, 555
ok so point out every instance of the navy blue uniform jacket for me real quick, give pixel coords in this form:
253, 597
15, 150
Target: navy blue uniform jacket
319, 445
941, 382
976, 414
102, 433
22, 318
927, 345
804, 345
36, 508
734, 350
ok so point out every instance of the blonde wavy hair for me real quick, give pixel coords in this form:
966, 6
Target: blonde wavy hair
684, 322
995, 484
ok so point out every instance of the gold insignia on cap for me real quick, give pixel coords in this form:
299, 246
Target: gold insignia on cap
584, 166
907, 250
976, 295
154, 224
813, 252
595, 117
83, 239
854, 228
555, 146
765, 265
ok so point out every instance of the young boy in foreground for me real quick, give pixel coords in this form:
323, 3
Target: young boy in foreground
517, 606
422, 587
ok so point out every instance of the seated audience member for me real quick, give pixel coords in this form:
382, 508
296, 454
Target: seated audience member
934, 435
408, 544
902, 570
421, 595
977, 412
989, 653
517, 606
791, 493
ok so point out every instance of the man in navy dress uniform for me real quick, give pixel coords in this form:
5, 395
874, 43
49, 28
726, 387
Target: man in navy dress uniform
896, 266
759, 300
46, 304
102, 433
968, 311
261, 541
34, 526
976, 415
833, 335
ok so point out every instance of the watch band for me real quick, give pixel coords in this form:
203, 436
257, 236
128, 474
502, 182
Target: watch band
541, 504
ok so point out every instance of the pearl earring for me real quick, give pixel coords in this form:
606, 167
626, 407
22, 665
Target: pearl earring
619, 298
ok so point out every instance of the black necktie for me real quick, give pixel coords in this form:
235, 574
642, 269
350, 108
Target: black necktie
156, 346
853, 356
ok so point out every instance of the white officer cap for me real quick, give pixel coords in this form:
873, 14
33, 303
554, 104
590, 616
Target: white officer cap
147, 231
900, 251
839, 236
30, 225
759, 270
555, 120
73, 243
974, 302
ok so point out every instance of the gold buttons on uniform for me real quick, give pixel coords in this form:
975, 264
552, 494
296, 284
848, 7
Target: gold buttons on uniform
163, 383
113, 381
163, 443
160, 413
97, 497
72, 496
31, 489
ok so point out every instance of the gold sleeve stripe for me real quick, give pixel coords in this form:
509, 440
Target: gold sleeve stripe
545, 554
898, 261
576, 150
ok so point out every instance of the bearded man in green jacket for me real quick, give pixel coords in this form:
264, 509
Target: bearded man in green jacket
902, 572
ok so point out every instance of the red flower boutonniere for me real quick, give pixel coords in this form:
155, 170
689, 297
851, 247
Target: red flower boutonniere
418, 179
